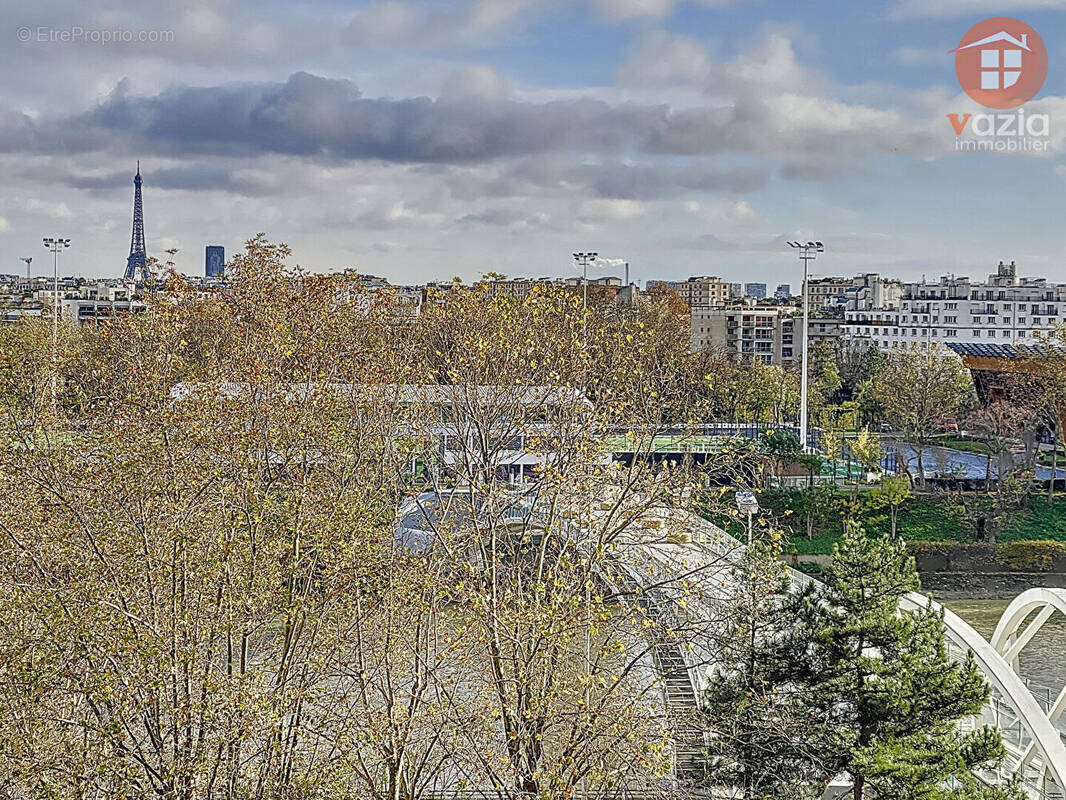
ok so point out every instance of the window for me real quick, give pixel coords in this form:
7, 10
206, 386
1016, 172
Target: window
976, 334
950, 332
951, 320
1021, 334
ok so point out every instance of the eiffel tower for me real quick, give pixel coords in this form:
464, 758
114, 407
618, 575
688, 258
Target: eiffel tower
137, 263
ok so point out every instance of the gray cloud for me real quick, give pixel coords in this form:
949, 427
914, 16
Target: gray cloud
312, 116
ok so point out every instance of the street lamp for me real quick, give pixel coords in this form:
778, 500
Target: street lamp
747, 504
583, 260
807, 254
55, 245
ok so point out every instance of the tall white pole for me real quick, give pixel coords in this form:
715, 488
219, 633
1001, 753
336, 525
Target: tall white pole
55, 320
55, 245
803, 367
807, 254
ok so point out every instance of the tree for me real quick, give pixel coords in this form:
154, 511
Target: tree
1047, 392
891, 493
825, 381
919, 388
206, 589
857, 366
1001, 425
781, 447
763, 741
890, 694
816, 506
866, 448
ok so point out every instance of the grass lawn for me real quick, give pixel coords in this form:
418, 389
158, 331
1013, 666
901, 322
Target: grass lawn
965, 445
1038, 521
927, 518
920, 519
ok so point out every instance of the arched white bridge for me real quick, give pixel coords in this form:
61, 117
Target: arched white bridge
1030, 719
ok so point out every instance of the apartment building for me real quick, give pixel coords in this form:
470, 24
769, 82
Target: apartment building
1005, 309
94, 312
869, 290
822, 292
825, 328
699, 290
755, 290
771, 334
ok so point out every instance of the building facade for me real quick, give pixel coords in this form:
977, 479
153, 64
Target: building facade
1005, 309
755, 290
770, 334
214, 261
699, 290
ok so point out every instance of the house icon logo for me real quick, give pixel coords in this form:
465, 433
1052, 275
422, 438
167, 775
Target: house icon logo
1001, 62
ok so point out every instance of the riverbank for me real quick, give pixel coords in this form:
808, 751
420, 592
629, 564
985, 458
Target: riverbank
947, 586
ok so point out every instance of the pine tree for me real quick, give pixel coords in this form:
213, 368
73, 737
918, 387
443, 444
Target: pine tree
762, 740
890, 694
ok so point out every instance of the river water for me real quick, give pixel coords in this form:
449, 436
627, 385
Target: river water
1043, 660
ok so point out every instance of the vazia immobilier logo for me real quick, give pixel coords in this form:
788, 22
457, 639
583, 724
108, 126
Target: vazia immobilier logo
1001, 63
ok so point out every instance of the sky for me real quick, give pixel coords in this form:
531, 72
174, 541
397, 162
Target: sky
422, 139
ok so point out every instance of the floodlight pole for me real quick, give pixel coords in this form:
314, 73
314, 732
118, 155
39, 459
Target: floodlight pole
55, 245
583, 260
807, 253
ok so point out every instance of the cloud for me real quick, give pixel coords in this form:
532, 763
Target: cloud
602, 210
914, 56
666, 60
514, 219
391, 22
619, 10
316, 117
923, 9
724, 212
420, 24
52, 210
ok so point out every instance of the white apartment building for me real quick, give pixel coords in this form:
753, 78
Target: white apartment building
1004, 310
868, 290
95, 312
771, 334
104, 292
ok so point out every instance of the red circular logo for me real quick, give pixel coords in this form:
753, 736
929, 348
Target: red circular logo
1001, 62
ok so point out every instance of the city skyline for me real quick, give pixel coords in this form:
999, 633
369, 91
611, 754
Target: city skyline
422, 140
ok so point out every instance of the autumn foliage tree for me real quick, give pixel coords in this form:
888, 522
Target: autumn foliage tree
207, 588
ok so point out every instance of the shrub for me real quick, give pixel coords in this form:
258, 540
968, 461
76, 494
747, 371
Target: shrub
1030, 556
